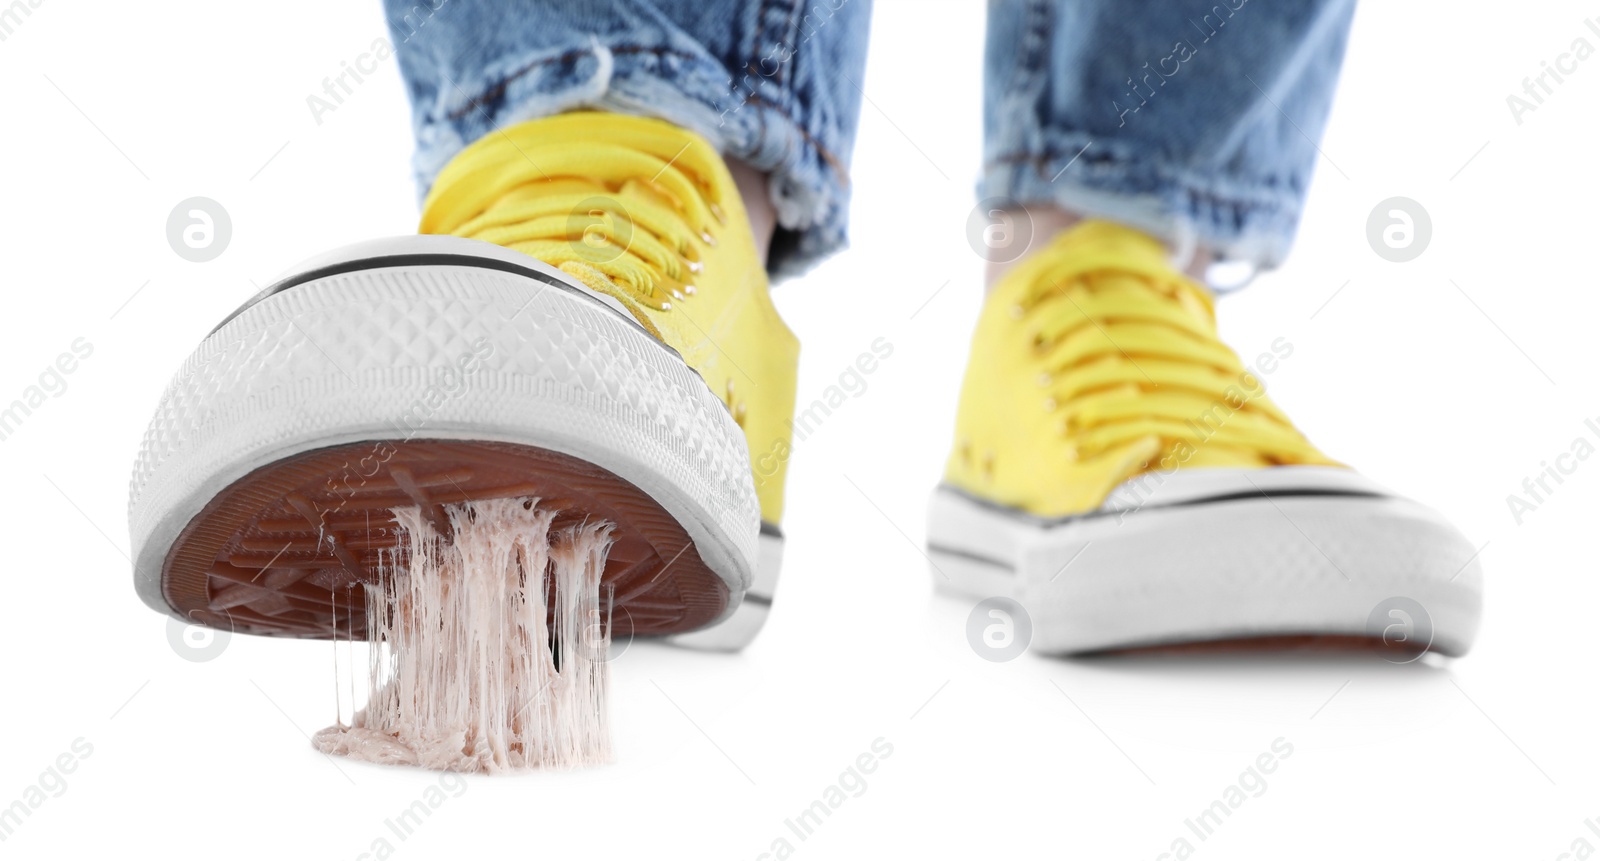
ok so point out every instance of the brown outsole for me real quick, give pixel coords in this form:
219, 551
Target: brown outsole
281, 551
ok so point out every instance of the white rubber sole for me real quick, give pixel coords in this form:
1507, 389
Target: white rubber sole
1218, 555
359, 338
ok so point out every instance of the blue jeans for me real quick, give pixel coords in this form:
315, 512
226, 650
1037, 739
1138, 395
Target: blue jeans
1194, 120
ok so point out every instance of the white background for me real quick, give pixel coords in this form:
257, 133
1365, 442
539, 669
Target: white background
116, 111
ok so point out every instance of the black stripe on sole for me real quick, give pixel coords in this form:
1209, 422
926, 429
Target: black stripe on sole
1289, 493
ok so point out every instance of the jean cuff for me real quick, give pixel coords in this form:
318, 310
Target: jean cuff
1249, 222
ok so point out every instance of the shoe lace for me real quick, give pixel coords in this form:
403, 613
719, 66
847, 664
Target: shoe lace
627, 217
1128, 353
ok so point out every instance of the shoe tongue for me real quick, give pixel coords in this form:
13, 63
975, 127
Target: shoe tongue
1113, 237
578, 151
1124, 243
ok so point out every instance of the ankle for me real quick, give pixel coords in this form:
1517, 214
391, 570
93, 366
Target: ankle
753, 185
1042, 223
1047, 222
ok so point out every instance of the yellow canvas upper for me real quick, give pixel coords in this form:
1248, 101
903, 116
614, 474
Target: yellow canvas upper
645, 212
1095, 361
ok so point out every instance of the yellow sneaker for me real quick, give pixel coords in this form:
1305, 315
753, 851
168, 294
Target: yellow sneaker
1122, 473
596, 334
647, 213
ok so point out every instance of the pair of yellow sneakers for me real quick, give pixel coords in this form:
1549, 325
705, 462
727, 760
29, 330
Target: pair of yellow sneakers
1117, 473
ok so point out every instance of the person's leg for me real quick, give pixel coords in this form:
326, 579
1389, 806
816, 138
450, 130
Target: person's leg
768, 82
1116, 466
